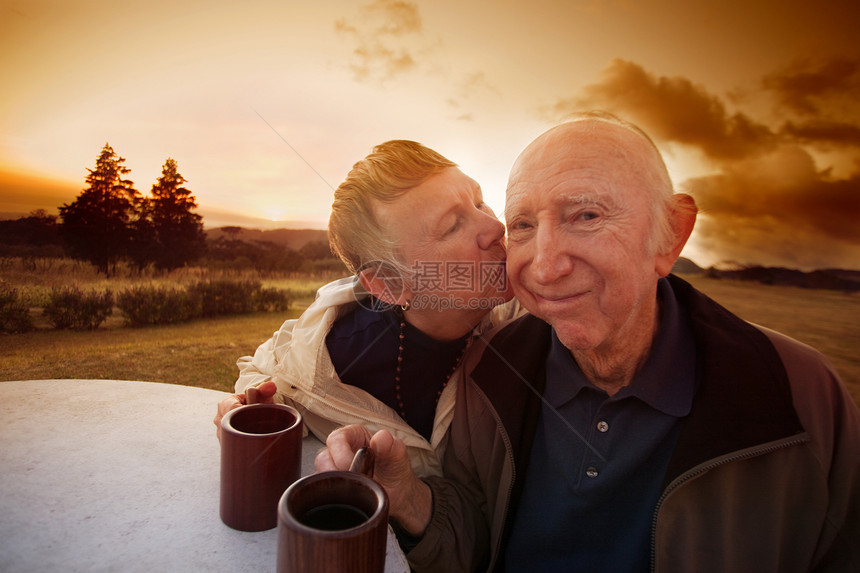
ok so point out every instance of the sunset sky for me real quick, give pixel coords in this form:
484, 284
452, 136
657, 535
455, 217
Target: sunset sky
266, 104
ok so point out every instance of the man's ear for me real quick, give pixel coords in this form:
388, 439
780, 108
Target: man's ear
682, 219
388, 289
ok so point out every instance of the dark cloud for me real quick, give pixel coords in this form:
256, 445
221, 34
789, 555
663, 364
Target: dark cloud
823, 132
808, 88
671, 109
785, 188
779, 208
772, 198
748, 241
382, 31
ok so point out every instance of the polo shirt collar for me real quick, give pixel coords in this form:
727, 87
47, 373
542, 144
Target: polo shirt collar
666, 382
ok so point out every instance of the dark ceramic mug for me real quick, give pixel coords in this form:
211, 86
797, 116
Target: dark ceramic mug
334, 522
261, 456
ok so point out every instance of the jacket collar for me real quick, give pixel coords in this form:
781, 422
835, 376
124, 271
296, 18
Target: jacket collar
512, 374
744, 397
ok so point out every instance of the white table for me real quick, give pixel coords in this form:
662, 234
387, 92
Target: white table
109, 475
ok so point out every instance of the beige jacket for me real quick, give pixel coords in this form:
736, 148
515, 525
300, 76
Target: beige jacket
297, 359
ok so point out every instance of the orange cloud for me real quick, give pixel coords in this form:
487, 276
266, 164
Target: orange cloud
381, 31
388, 43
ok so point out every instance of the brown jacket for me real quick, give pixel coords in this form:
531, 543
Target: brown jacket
765, 475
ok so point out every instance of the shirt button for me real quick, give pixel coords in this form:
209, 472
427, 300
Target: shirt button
591, 472
602, 426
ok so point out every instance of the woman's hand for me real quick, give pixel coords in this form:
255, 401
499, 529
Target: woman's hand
410, 499
265, 395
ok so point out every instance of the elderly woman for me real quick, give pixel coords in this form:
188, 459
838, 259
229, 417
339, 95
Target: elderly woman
382, 349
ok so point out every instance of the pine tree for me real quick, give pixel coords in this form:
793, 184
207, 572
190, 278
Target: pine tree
178, 232
96, 225
143, 247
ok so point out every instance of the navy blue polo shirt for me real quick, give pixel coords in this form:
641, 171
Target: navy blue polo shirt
363, 346
597, 462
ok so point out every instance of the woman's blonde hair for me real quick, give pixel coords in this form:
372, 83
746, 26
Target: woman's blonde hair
388, 172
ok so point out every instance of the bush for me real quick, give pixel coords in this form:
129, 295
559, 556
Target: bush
14, 312
272, 300
70, 308
151, 305
143, 306
222, 296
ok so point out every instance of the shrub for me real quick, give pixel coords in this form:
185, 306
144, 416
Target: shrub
141, 306
70, 308
272, 300
222, 296
14, 312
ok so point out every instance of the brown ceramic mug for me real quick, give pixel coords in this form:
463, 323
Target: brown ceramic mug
334, 522
261, 456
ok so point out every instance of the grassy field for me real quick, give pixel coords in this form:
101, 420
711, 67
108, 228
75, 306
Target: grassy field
200, 353
204, 353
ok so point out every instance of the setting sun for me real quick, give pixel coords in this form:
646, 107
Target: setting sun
274, 212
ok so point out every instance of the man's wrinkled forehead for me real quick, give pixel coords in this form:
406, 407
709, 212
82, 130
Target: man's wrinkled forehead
562, 145
552, 163
591, 153
528, 201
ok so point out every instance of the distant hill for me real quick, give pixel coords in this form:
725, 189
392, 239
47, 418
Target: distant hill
292, 238
828, 279
684, 266
845, 274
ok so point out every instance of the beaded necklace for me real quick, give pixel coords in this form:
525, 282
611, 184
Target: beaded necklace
400, 353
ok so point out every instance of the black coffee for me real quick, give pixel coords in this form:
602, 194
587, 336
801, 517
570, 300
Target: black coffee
334, 517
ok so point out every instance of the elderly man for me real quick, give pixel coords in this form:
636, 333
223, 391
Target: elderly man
630, 423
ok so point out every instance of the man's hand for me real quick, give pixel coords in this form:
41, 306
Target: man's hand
410, 499
265, 393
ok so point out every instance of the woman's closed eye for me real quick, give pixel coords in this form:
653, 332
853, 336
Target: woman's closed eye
455, 227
